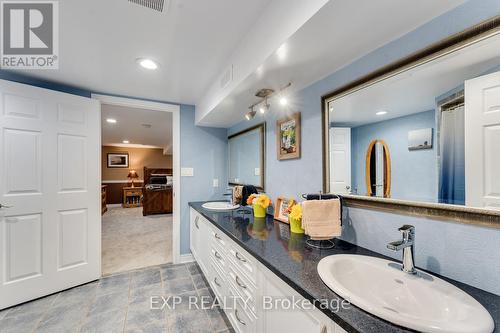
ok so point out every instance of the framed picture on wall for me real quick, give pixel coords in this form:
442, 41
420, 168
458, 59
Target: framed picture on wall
281, 210
117, 160
288, 137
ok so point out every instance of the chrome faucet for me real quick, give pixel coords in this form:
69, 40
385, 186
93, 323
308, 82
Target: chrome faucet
229, 193
407, 244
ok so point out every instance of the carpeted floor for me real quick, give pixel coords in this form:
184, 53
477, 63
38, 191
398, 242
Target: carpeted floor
131, 241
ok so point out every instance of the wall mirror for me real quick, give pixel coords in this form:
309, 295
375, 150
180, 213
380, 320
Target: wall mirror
428, 131
246, 154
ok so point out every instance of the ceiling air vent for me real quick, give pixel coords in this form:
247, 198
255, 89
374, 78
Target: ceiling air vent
157, 5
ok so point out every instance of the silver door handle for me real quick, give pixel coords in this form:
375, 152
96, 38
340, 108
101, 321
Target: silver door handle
323, 329
217, 255
215, 281
238, 318
196, 222
5, 206
217, 236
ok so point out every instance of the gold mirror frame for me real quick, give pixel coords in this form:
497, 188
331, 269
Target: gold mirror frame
387, 169
454, 213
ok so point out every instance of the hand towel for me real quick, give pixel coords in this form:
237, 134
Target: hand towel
237, 194
321, 219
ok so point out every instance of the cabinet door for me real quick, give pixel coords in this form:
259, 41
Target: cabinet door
282, 318
194, 233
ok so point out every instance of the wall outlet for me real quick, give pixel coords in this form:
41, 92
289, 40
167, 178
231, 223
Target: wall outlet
216, 183
187, 172
257, 172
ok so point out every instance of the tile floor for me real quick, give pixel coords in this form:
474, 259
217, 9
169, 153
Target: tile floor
132, 241
122, 303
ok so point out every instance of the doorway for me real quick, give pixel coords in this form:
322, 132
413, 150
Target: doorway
140, 177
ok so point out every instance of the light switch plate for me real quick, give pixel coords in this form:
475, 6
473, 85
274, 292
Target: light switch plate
257, 172
216, 182
187, 172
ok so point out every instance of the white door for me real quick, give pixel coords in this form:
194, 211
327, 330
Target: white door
379, 170
340, 160
50, 234
482, 141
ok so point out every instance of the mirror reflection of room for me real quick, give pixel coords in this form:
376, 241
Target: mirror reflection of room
405, 136
246, 157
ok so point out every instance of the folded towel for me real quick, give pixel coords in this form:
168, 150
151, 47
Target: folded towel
247, 191
321, 219
237, 194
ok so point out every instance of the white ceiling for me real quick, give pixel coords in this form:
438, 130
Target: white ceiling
416, 90
339, 33
101, 40
129, 126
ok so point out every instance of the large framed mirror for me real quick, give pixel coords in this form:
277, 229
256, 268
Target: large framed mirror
246, 155
423, 130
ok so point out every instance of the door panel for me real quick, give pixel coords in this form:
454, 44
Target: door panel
50, 175
482, 129
23, 241
340, 160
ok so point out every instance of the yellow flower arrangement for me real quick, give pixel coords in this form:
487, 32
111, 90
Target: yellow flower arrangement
296, 212
264, 201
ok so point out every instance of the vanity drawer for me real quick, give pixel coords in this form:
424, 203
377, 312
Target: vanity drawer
218, 258
218, 281
242, 319
244, 262
219, 239
242, 287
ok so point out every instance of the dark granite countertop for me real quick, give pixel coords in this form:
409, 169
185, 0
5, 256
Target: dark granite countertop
288, 256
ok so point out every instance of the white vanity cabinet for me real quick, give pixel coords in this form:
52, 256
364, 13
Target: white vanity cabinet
234, 274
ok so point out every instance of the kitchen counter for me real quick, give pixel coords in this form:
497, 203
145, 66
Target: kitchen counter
287, 256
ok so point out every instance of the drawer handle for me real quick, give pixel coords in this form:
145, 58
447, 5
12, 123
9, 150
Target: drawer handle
323, 329
216, 235
196, 222
238, 318
217, 255
215, 281
239, 257
239, 283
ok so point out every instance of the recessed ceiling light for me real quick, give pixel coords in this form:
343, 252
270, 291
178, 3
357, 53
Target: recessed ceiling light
111, 120
147, 63
126, 141
381, 113
283, 101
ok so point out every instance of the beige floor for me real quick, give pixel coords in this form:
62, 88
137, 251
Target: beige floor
131, 241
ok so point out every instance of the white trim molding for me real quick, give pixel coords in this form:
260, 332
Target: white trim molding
185, 258
176, 152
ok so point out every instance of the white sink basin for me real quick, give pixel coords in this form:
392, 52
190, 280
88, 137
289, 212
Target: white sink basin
219, 205
421, 302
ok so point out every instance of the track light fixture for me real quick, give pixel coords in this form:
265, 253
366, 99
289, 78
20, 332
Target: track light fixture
263, 105
250, 114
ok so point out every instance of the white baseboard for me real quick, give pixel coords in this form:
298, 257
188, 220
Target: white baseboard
113, 205
185, 258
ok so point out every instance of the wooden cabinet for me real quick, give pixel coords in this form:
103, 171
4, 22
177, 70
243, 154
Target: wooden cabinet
132, 197
235, 274
104, 199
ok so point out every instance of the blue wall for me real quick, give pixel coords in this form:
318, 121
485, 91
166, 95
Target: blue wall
373, 229
414, 173
204, 149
